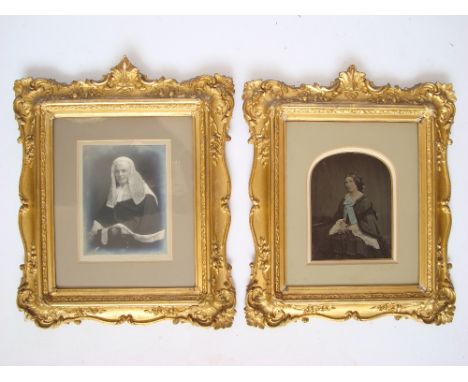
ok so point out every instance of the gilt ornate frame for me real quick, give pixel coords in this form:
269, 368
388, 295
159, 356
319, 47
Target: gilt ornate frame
126, 92
268, 105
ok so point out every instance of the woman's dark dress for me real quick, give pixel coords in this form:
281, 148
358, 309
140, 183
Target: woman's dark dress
348, 246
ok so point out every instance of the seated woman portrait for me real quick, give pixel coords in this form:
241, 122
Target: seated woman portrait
355, 233
130, 218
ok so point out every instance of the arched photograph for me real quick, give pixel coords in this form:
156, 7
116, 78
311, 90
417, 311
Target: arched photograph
124, 200
350, 208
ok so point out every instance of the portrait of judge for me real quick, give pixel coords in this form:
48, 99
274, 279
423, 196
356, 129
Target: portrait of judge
124, 212
130, 217
356, 221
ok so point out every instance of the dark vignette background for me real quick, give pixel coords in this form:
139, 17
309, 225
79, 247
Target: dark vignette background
327, 190
150, 162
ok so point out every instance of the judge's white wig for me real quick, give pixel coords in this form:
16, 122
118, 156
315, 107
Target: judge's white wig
136, 184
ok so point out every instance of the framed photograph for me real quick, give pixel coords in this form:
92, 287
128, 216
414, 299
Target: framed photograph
111, 226
124, 191
350, 193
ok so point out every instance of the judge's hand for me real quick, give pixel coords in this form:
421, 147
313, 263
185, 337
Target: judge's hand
114, 231
122, 229
94, 230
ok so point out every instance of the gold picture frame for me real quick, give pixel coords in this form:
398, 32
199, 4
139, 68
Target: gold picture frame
125, 92
269, 108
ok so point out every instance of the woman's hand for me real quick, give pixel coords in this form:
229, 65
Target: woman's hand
339, 227
342, 226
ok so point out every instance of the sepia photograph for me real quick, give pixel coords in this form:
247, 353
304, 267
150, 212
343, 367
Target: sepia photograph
351, 208
124, 200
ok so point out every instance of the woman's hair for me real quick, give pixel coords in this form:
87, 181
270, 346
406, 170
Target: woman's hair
357, 181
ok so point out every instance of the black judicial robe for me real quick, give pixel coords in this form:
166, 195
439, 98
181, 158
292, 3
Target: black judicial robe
143, 220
